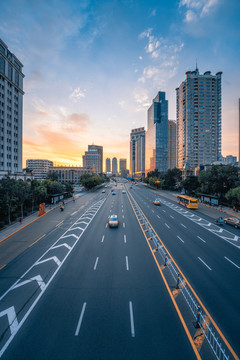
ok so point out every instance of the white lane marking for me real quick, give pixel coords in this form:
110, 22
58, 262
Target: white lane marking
158, 216
122, 210
124, 225
73, 213
201, 239
125, 239
204, 263
12, 318
167, 226
95, 266
131, 319
106, 225
153, 211
232, 262
127, 267
180, 239
164, 211
102, 238
59, 223
183, 226
171, 216
123, 216
80, 319
54, 258
36, 278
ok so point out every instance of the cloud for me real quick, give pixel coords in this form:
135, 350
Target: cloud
76, 123
197, 8
164, 54
77, 94
141, 97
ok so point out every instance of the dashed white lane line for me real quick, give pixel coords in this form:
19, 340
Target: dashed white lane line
102, 239
127, 266
164, 210
106, 225
204, 263
158, 216
125, 239
80, 319
124, 225
183, 226
73, 213
96, 262
153, 211
201, 239
131, 319
171, 216
122, 210
123, 216
180, 239
232, 262
167, 226
59, 223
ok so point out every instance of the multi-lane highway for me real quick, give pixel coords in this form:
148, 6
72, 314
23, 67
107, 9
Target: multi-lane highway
74, 288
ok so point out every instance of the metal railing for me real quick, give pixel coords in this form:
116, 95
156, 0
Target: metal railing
202, 320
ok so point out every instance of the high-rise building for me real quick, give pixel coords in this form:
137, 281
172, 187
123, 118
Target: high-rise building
199, 119
122, 164
157, 135
108, 165
39, 168
114, 165
137, 152
11, 110
172, 144
99, 165
91, 160
239, 132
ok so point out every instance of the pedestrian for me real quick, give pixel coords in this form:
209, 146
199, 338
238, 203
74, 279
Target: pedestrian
234, 207
20, 220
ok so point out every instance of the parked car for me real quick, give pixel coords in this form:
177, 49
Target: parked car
232, 221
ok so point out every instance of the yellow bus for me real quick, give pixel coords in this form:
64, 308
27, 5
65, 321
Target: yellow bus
187, 201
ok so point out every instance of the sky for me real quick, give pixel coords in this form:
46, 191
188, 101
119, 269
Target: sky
92, 68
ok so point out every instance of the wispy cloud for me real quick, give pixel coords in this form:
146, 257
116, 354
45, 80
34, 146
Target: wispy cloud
197, 8
77, 94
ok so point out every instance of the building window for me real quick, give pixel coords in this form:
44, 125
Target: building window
16, 78
2, 65
10, 72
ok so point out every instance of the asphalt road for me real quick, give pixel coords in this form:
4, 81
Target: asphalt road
210, 260
73, 288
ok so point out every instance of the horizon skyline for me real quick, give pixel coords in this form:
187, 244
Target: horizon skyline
71, 99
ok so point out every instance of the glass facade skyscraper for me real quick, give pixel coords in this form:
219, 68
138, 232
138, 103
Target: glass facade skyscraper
157, 135
199, 119
172, 144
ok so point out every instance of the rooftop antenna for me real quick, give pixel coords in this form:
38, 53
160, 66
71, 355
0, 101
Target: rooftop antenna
196, 65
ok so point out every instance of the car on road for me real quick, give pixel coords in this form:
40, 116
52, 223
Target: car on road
113, 221
232, 221
123, 192
103, 191
113, 193
157, 202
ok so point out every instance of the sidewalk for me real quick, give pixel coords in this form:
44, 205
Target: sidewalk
16, 226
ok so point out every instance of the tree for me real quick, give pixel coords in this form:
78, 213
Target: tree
190, 184
8, 189
52, 176
154, 173
233, 195
172, 177
22, 193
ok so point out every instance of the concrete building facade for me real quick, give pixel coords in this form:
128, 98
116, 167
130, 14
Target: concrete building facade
199, 119
172, 144
137, 152
39, 167
11, 111
108, 165
114, 165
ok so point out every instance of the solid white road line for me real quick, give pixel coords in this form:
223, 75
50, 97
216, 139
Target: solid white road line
80, 319
180, 239
201, 239
183, 226
131, 319
102, 238
59, 223
204, 263
158, 216
125, 239
232, 262
127, 267
167, 226
95, 266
